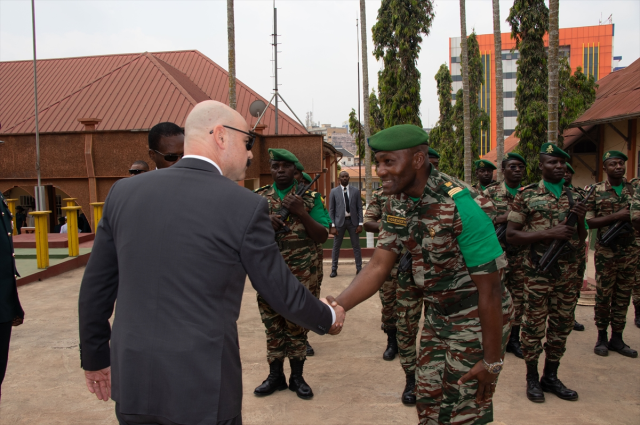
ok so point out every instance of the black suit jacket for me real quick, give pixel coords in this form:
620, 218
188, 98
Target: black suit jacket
174, 247
9, 303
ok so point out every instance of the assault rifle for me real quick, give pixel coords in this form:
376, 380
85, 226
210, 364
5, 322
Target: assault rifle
501, 232
611, 238
284, 213
549, 261
404, 265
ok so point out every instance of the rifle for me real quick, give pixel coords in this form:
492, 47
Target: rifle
611, 238
549, 261
501, 232
404, 265
284, 213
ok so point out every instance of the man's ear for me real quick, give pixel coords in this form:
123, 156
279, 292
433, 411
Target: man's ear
418, 160
152, 156
220, 136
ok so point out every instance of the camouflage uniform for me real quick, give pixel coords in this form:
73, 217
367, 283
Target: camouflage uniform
544, 296
581, 254
450, 343
635, 293
284, 338
615, 271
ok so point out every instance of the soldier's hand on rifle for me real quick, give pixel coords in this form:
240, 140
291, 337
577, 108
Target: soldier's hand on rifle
502, 218
623, 214
580, 210
561, 231
294, 204
276, 223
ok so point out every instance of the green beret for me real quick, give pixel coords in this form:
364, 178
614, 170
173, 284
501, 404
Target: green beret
613, 154
483, 163
433, 153
553, 150
282, 155
570, 168
299, 166
398, 137
307, 177
514, 156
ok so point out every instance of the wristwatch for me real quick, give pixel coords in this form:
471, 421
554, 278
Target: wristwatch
493, 368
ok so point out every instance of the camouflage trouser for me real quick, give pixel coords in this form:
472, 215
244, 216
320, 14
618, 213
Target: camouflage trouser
387, 294
408, 308
635, 294
546, 298
319, 268
615, 278
449, 348
515, 283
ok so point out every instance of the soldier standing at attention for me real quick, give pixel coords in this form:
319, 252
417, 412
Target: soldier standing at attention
616, 264
581, 260
457, 261
537, 217
484, 174
635, 293
434, 158
298, 248
502, 195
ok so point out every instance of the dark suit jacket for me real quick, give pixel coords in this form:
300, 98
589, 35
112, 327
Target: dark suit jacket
9, 303
337, 209
174, 247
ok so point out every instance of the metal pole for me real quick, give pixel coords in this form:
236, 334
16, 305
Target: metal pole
39, 189
275, 61
359, 118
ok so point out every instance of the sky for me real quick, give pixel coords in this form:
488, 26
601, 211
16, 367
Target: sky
318, 56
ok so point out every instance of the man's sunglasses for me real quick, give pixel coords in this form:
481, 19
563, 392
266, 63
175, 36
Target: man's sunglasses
136, 172
252, 136
170, 157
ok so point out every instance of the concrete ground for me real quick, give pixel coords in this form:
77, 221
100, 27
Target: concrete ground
351, 382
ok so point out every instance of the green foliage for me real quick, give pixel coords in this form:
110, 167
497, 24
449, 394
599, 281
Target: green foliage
357, 131
397, 35
576, 93
529, 20
442, 137
376, 120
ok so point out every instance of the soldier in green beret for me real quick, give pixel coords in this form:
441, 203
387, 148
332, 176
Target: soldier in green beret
457, 268
616, 261
484, 174
536, 218
434, 158
307, 226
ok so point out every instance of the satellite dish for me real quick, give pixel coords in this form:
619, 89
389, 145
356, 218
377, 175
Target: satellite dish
256, 108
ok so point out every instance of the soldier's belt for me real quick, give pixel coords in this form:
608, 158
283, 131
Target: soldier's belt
285, 245
463, 304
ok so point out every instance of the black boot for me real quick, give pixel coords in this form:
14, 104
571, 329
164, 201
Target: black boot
602, 346
310, 351
637, 321
617, 344
513, 346
297, 382
392, 345
578, 326
551, 384
275, 381
408, 394
534, 390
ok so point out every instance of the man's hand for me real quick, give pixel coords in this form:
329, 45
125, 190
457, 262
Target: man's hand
294, 204
623, 214
333, 230
358, 229
17, 321
340, 314
486, 382
276, 223
502, 218
99, 383
561, 231
581, 210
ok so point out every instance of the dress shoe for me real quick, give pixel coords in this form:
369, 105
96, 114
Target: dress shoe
334, 273
513, 345
534, 390
602, 346
551, 384
392, 345
358, 271
310, 351
637, 320
617, 344
578, 326
297, 382
408, 394
275, 381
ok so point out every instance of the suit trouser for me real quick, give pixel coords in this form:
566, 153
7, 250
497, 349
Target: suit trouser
355, 243
5, 336
158, 420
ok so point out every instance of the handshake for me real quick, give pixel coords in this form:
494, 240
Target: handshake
340, 314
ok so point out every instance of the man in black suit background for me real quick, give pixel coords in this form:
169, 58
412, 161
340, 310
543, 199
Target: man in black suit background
345, 210
173, 356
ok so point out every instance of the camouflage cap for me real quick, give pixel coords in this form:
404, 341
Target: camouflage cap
307, 177
514, 156
483, 163
398, 137
433, 153
614, 154
553, 150
299, 166
282, 155
570, 168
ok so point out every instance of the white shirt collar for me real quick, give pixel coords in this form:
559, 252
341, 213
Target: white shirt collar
204, 158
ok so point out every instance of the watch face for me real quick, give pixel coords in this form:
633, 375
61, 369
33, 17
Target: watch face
497, 369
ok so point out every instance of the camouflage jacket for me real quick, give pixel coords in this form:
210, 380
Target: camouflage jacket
605, 201
429, 229
374, 210
502, 200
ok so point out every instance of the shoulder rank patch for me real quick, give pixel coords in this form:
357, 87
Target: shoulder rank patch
262, 188
451, 189
399, 221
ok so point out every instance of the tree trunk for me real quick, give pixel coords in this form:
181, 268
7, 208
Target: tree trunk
365, 98
499, 100
468, 154
553, 66
231, 41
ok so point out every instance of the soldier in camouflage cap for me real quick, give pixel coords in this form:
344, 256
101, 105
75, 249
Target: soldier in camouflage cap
484, 174
307, 226
457, 263
616, 262
537, 217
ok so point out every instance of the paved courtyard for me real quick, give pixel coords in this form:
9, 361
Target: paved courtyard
351, 382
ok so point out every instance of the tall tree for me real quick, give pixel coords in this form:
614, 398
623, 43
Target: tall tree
441, 137
529, 21
397, 35
465, 93
497, 38
554, 33
576, 94
231, 42
376, 120
365, 92
356, 129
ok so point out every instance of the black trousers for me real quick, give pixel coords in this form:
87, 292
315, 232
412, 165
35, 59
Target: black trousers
157, 420
5, 336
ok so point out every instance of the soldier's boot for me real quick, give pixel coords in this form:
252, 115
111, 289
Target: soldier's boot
637, 321
578, 326
551, 384
602, 346
310, 351
392, 345
297, 382
513, 346
276, 381
534, 390
617, 344
408, 394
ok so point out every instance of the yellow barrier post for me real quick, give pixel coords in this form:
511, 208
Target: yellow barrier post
42, 237
72, 230
12, 208
97, 214
71, 202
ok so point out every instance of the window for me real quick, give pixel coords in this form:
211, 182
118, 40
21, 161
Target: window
28, 202
508, 132
453, 96
59, 205
509, 94
456, 77
510, 56
509, 76
510, 114
455, 59
591, 60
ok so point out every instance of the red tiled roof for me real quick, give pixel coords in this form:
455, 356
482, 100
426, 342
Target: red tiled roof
128, 92
510, 143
